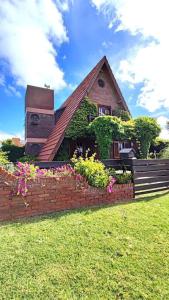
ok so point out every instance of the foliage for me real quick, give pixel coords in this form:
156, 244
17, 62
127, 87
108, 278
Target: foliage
165, 153
79, 123
122, 114
25, 172
121, 178
13, 152
158, 145
3, 158
129, 130
27, 158
146, 130
63, 153
94, 171
122, 250
106, 129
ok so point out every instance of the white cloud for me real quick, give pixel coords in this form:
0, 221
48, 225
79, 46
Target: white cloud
2, 79
29, 31
147, 63
164, 130
7, 135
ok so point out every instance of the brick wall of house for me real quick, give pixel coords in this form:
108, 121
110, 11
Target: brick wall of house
106, 95
47, 195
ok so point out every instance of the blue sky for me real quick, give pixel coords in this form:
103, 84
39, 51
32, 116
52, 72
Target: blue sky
58, 42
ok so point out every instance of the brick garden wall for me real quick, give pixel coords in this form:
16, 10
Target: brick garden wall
47, 195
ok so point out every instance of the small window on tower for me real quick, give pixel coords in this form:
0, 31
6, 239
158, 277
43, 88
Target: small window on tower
101, 83
35, 119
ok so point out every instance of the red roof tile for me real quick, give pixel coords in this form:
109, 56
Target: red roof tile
71, 105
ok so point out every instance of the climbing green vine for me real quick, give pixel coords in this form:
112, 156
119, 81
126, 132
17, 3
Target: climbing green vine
106, 129
79, 124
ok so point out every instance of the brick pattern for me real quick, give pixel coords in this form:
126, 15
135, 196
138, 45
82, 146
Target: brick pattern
47, 195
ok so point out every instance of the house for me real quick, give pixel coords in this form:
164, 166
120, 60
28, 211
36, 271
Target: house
45, 128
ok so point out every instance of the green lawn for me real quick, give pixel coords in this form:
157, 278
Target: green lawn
113, 252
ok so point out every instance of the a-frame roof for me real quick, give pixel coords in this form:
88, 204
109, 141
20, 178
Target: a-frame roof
70, 106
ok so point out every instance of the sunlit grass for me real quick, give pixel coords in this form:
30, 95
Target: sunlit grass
115, 252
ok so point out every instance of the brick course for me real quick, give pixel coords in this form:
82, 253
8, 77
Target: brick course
47, 195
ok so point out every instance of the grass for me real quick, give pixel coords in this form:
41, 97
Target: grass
113, 252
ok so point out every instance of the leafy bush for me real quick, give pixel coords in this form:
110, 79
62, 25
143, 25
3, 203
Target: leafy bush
93, 170
27, 158
146, 130
121, 178
13, 152
164, 153
159, 145
3, 158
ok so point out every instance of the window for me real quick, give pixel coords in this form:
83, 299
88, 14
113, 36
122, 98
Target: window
104, 111
35, 119
101, 83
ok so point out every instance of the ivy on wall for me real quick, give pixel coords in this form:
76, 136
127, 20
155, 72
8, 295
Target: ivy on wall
78, 126
122, 114
106, 129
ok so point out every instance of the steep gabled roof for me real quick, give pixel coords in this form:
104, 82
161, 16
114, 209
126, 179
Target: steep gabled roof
72, 103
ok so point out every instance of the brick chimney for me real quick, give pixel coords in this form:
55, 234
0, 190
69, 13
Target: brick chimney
39, 117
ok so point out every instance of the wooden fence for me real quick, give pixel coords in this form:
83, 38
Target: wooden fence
118, 164
148, 175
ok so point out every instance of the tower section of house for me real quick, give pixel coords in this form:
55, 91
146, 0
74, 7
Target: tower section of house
39, 118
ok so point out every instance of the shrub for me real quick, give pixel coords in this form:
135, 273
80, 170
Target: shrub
146, 130
3, 158
13, 152
121, 178
164, 153
159, 145
93, 170
27, 158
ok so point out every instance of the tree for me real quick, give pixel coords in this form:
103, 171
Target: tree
146, 129
106, 129
13, 152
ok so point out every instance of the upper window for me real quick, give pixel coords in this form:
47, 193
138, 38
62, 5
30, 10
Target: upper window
104, 111
101, 83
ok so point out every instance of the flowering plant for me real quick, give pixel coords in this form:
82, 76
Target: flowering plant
26, 172
94, 171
